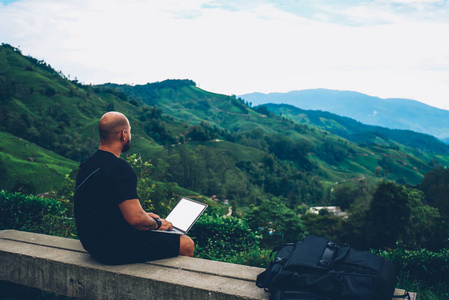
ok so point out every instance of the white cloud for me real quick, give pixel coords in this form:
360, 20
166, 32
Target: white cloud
384, 48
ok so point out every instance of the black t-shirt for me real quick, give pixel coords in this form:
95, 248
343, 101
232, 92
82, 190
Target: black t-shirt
103, 182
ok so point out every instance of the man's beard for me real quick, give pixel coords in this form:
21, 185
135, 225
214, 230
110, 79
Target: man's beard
126, 146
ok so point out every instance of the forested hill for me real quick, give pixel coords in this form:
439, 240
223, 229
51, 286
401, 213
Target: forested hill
331, 156
204, 142
391, 113
357, 132
199, 104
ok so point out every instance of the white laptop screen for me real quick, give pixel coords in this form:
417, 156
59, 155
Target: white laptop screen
185, 213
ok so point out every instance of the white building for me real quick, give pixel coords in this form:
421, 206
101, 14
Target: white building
334, 210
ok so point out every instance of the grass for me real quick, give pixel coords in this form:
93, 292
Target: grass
439, 291
35, 168
236, 151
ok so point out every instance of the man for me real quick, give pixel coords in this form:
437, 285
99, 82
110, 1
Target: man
111, 223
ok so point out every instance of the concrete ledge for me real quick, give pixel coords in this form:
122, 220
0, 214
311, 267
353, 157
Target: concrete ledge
62, 266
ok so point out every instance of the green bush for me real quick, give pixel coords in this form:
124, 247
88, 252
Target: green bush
36, 214
255, 257
227, 239
223, 237
275, 222
423, 265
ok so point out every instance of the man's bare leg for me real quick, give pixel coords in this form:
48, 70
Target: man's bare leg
186, 246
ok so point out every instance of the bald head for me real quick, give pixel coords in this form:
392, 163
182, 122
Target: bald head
111, 124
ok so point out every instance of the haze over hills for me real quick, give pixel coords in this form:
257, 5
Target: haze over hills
391, 113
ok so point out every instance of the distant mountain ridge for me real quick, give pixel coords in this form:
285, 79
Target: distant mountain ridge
357, 132
393, 113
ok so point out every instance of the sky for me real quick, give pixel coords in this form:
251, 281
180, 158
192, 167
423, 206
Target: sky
383, 48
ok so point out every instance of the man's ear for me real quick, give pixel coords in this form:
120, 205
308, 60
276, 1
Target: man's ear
122, 135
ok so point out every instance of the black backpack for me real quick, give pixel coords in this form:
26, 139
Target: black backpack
318, 268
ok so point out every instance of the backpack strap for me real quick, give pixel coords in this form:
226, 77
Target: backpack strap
328, 254
405, 296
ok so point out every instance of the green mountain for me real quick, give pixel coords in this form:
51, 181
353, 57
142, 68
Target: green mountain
392, 113
208, 143
360, 133
183, 100
48, 113
397, 154
28, 166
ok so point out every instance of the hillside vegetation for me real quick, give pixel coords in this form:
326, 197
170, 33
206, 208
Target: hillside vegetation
209, 143
398, 154
359, 133
26, 166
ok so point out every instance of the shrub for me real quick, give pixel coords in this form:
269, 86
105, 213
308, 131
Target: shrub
36, 214
423, 265
255, 257
222, 237
275, 222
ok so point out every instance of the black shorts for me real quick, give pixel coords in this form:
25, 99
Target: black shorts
140, 246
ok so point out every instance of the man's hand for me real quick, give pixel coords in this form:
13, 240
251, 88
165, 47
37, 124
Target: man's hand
135, 215
166, 225
153, 215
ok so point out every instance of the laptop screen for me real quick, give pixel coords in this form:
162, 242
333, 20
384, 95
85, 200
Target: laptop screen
185, 213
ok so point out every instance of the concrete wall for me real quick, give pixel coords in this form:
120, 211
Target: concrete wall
62, 266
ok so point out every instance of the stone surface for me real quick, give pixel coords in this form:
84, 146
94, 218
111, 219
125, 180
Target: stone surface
62, 266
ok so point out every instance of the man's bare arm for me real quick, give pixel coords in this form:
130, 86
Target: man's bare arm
135, 215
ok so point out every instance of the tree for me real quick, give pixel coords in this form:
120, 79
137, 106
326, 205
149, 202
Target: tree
273, 220
7, 89
435, 186
345, 194
144, 185
202, 132
50, 92
397, 213
32, 134
326, 225
288, 148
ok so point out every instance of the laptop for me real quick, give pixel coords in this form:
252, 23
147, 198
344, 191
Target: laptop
184, 215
